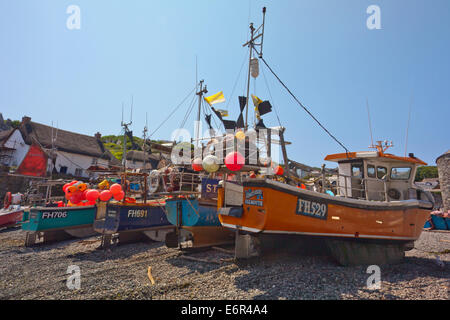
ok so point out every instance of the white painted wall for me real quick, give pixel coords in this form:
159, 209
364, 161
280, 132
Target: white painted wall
74, 161
16, 142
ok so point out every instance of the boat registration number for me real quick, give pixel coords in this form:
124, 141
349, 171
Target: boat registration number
312, 209
54, 215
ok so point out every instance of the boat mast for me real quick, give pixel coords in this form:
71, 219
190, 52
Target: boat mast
125, 130
144, 144
251, 44
200, 95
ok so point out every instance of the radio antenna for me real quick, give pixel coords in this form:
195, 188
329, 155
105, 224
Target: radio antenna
131, 113
370, 123
122, 114
126, 130
407, 126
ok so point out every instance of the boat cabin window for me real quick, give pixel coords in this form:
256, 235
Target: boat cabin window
400, 173
370, 171
381, 172
357, 170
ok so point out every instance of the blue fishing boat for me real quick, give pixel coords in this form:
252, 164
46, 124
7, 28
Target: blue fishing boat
134, 221
134, 218
196, 219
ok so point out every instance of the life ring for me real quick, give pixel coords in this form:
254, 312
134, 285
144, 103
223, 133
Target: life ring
153, 181
7, 200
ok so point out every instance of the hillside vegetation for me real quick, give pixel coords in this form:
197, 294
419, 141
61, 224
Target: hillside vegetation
115, 144
426, 172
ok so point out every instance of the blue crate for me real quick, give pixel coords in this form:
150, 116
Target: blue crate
439, 222
447, 221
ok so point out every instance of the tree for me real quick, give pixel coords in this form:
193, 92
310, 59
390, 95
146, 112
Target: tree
426, 172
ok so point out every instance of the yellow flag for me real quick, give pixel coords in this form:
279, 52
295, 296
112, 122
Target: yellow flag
256, 101
215, 98
224, 113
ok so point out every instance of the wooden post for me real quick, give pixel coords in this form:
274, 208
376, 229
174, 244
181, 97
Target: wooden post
283, 149
385, 192
345, 185
365, 189
323, 178
145, 187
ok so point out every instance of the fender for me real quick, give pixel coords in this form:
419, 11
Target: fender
153, 181
7, 200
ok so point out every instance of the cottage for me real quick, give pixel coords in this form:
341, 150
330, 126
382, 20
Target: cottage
135, 160
12, 148
67, 152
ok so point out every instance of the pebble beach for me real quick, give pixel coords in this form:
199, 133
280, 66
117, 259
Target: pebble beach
151, 271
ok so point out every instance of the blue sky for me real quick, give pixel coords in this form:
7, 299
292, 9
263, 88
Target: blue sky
322, 50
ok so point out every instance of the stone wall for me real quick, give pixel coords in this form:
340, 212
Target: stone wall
443, 164
13, 184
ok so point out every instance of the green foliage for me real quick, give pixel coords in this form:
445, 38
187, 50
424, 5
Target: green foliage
426, 172
117, 154
13, 123
115, 144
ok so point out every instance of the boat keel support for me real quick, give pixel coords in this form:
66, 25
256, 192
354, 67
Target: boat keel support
246, 246
158, 235
30, 239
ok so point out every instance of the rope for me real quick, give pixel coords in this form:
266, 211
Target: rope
270, 94
192, 207
186, 116
172, 112
301, 105
237, 79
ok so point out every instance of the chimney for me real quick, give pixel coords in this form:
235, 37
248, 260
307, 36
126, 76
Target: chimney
26, 120
98, 135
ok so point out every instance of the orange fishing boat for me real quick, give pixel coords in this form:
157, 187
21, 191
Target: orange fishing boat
373, 216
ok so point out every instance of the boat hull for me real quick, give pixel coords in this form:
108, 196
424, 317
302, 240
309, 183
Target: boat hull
201, 222
58, 218
353, 231
11, 216
58, 223
190, 213
275, 208
134, 222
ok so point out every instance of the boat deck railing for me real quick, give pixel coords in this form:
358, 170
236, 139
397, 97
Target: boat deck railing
179, 182
345, 187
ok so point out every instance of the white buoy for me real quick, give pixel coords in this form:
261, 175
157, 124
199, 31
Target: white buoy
254, 67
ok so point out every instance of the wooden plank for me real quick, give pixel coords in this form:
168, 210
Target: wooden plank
223, 250
199, 260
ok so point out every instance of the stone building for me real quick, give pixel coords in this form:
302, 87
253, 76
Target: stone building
443, 164
67, 152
